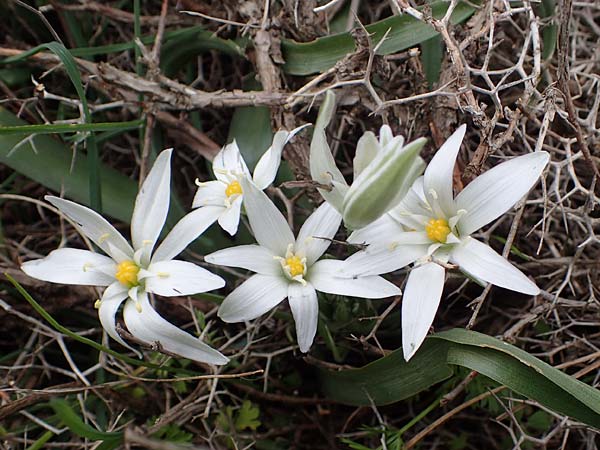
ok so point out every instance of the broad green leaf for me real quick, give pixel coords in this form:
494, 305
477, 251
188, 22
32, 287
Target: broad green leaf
93, 160
549, 31
251, 129
404, 32
52, 164
431, 56
523, 373
391, 379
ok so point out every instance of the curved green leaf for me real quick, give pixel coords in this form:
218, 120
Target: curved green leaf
72, 420
391, 379
403, 32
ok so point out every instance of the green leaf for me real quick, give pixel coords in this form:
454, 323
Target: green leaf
251, 129
549, 31
72, 420
391, 379
93, 159
246, 417
524, 374
431, 56
49, 162
404, 32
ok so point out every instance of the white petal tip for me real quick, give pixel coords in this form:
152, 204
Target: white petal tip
409, 353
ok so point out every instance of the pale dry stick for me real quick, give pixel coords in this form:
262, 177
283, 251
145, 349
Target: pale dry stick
212, 393
140, 440
195, 377
439, 91
153, 72
166, 93
72, 365
43, 424
269, 357
326, 6
289, 205
440, 421
441, 26
217, 19
291, 100
382, 317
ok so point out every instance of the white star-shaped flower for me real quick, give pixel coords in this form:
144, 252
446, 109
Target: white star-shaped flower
130, 273
289, 267
432, 227
222, 198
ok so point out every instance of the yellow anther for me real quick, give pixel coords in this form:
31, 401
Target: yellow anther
97, 304
233, 188
295, 265
87, 266
103, 238
127, 273
138, 307
437, 230
163, 274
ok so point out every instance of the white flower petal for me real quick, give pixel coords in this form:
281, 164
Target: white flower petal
254, 297
230, 159
378, 259
323, 276
493, 193
152, 205
71, 266
268, 164
149, 327
438, 175
380, 232
315, 234
322, 164
210, 193
229, 219
188, 229
173, 278
484, 263
305, 309
250, 257
413, 203
95, 227
270, 228
421, 300
112, 298
367, 148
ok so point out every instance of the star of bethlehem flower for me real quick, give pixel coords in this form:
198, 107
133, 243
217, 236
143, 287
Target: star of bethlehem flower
222, 198
129, 272
289, 267
432, 228
384, 170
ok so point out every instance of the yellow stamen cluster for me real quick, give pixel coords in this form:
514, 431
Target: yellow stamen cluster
437, 230
127, 273
295, 265
233, 188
